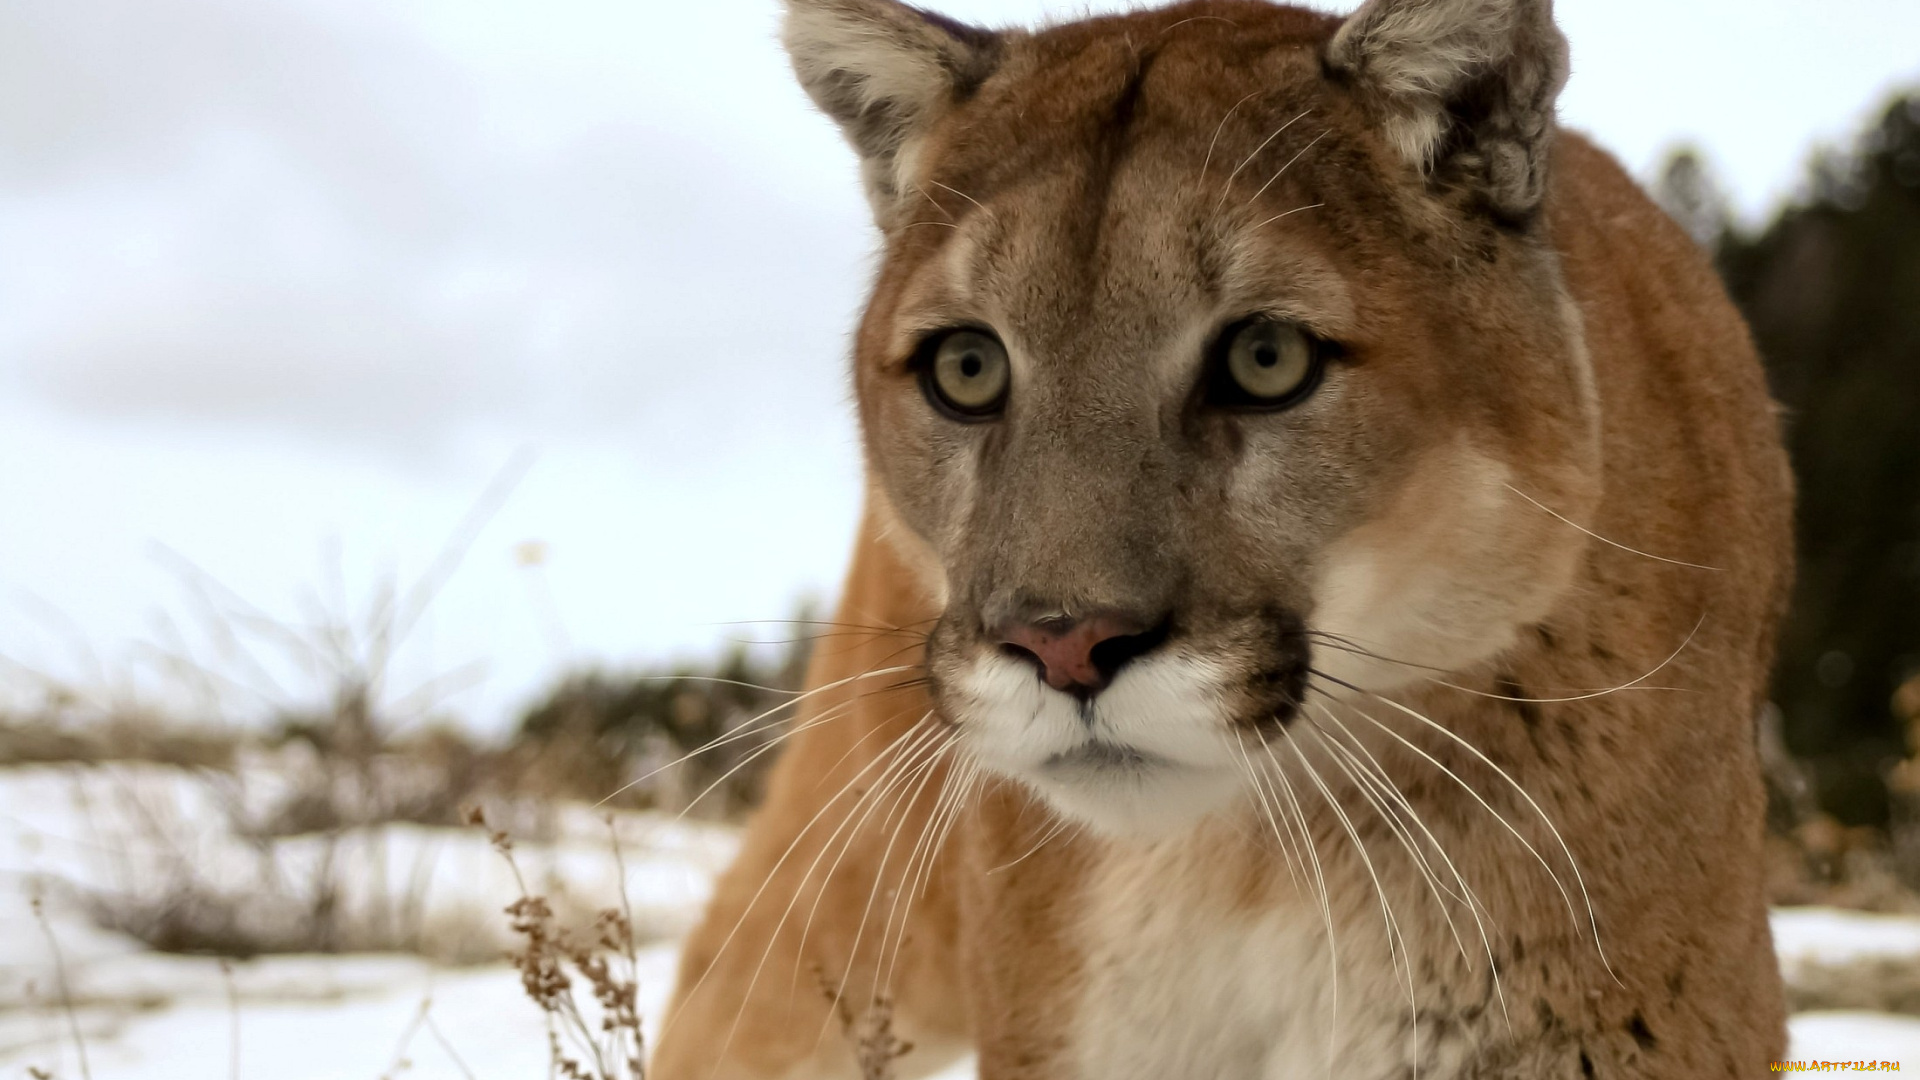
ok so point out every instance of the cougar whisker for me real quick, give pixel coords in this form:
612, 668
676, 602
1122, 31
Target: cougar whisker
745, 730
901, 772
1593, 918
1475, 907
1326, 900
1311, 143
1264, 798
1397, 949
888, 783
924, 772
1289, 213
1634, 683
1060, 825
1268, 141
1611, 543
940, 825
773, 873
1348, 765
1222, 126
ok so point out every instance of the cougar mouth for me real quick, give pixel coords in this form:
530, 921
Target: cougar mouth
1100, 755
1160, 746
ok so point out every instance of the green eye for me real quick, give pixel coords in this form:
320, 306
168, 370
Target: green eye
1262, 363
966, 374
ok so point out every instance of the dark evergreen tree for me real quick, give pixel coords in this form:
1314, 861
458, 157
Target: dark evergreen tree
1832, 291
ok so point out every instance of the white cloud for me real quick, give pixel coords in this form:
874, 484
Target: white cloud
238, 213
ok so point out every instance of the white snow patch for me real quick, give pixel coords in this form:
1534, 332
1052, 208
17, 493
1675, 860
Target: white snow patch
148, 1016
1833, 936
1841, 1036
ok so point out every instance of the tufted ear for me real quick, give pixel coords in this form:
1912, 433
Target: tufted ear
884, 72
1466, 88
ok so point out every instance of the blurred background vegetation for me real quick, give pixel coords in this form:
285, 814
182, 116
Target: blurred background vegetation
1831, 288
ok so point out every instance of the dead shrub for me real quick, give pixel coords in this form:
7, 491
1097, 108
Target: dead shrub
597, 1039
1871, 984
692, 738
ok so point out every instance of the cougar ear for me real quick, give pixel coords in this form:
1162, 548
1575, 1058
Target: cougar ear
884, 72
1465, 88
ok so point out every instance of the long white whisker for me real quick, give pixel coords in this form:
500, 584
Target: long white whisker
929, 828
925, 851
1604, 540
1345, 645
1060, 825
925, 772
1222, 126
1268, 141
942, 829
873, 797
1288, 213
1629, 685
1474, 905
1326, 900
772, 745
1262, 795
906, 762
1592, 918
1364, 781
745, 729
773, 873
1404, 954
1283, 169
976, 202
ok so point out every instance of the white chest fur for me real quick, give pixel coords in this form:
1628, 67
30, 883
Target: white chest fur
1197, 967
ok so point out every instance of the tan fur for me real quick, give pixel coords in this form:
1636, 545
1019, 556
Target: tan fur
1540, 498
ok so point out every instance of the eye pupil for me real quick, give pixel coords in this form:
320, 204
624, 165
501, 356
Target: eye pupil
966, 374
1263, 363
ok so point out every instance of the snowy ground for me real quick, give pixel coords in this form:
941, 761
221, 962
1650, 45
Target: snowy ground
146, 1015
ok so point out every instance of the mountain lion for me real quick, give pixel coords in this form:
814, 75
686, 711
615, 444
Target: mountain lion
1325, 531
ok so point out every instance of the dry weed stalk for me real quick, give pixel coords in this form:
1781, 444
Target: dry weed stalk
875, 1047
60, 976
550, 961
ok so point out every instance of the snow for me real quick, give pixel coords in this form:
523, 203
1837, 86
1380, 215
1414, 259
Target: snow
1831, 936
1840, 1036
135, 831
143, 1015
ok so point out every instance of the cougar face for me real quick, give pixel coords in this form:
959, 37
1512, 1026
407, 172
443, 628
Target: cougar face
1179, 425
1295, 446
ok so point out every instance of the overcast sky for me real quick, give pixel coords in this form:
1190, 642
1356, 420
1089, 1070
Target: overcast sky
285, 284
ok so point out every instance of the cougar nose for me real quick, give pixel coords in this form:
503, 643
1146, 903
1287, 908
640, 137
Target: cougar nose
1081, 656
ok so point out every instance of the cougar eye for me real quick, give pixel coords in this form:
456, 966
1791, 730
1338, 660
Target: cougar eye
965, 374
1263, 363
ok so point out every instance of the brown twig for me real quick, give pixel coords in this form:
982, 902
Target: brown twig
446, 1044
233, 1015
875, 1047
616, 1050
60, 974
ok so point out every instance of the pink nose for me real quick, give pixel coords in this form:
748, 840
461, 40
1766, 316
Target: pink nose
1064, 647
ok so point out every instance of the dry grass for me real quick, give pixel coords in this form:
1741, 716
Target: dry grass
598, 1039
61, 725
875, 1047
1874, 984
48, 740
60, 978
192, 917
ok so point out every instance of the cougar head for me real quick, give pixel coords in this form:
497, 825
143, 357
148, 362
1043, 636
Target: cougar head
1218, 357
